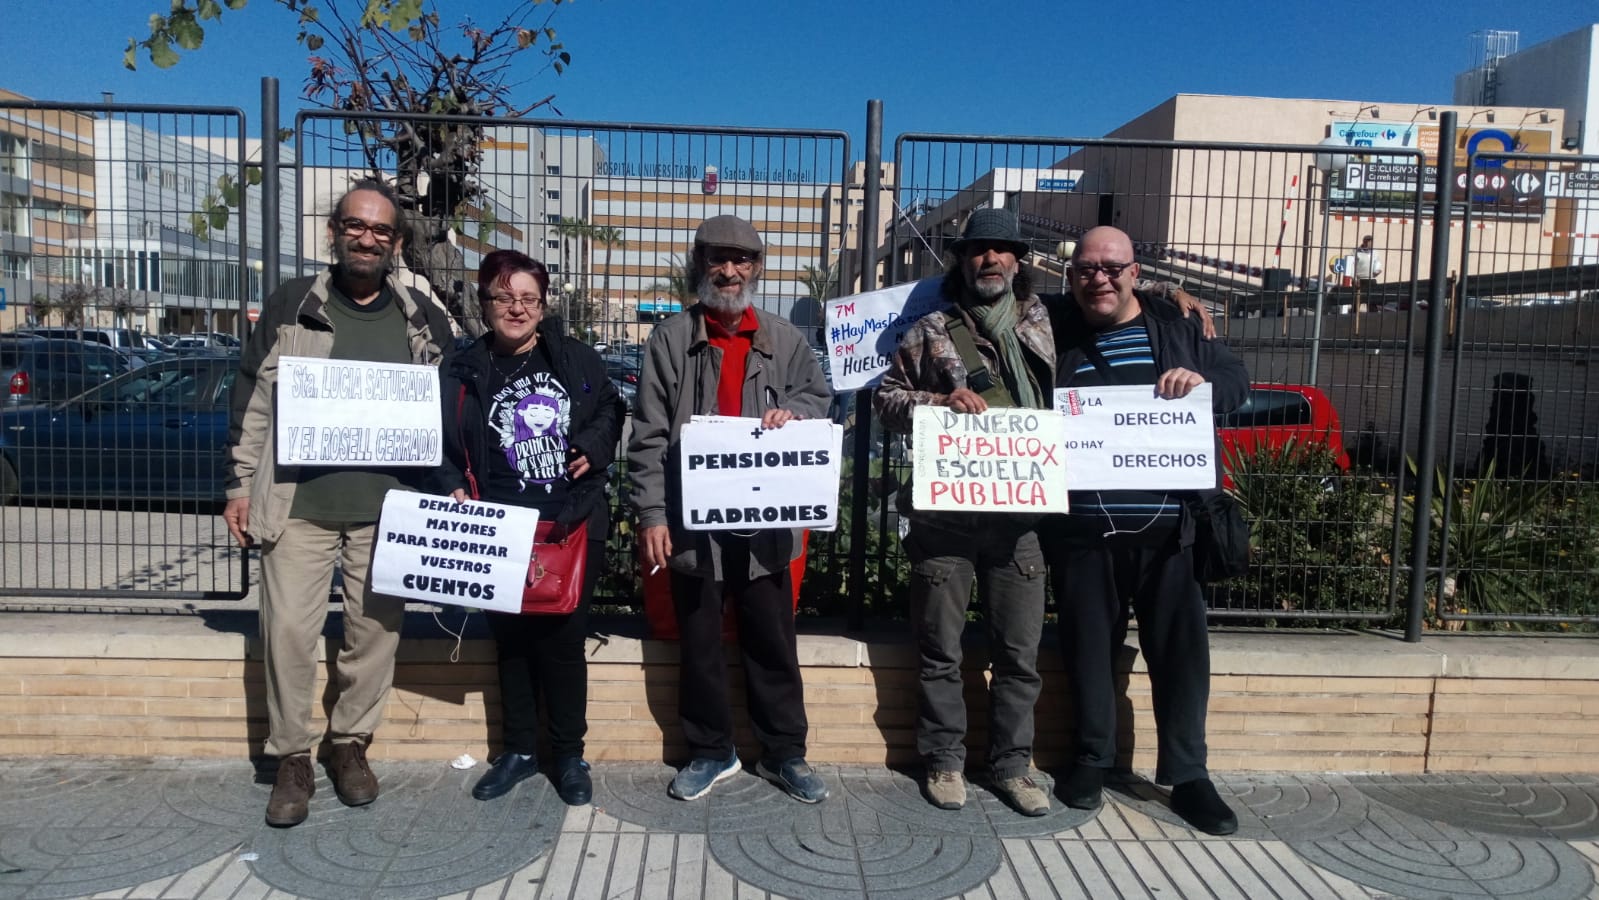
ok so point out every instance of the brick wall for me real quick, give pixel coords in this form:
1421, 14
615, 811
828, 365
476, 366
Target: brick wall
174, 686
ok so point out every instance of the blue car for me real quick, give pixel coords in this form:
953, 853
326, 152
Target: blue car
157, 433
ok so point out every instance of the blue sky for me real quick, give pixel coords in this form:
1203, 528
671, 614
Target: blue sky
1030, 67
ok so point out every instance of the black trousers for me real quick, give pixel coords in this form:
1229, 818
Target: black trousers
1095, 587
764, 608
545, 654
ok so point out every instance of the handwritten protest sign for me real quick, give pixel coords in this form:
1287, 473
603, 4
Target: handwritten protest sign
739, 476
864, 330
1126, 437
470, 554
337, 412
1002, 460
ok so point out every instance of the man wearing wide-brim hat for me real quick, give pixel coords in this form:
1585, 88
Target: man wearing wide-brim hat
991, 346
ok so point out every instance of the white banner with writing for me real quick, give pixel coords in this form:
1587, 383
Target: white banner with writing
1002, 460
738, 476
470, 554
864, 330
1125, 437
345, 412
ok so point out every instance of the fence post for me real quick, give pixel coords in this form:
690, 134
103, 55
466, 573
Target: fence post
270, 193
1437, 315
860, 484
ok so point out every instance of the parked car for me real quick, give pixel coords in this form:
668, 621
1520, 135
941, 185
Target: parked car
1276, 415
156, 433
44, 370
205, 341
117, 338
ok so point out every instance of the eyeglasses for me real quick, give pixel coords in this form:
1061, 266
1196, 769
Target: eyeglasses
718, 258
354, 227
1112, 271
528, 301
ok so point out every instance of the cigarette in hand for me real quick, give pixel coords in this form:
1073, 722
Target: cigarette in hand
654, 570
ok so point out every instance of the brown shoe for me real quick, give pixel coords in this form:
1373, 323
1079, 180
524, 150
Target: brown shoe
291, 793
352, 778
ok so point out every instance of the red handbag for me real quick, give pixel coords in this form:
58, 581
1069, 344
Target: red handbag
555, 573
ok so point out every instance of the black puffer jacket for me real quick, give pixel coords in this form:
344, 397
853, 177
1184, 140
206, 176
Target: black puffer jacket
597, 414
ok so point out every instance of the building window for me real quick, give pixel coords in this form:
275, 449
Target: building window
554, 268
13, 156
13, 266
552, 243
552, 218
552, 170
552, 194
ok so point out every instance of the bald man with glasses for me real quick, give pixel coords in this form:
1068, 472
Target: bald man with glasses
1126, 551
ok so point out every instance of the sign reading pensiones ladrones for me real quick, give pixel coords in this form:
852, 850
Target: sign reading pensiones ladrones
1000, 460
864, 330
470, 554
344, 412
1126, 437
738, 476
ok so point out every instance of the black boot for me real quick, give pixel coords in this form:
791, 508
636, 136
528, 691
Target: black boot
504, 774
1200, 806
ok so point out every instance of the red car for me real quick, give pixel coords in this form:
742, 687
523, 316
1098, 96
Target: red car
1276, 414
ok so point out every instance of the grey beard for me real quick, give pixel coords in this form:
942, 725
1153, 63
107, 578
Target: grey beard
985, 291
716, 302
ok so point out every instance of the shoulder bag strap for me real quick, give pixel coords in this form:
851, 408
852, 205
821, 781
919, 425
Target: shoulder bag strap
460, 434
978, 377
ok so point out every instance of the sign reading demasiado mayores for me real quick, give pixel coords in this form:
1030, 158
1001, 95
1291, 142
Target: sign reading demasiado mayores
1125, 437
346, 412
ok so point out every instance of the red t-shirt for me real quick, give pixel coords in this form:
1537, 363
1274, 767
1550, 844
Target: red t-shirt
735, 347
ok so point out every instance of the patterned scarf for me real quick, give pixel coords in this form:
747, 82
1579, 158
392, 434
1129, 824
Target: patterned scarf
997, 321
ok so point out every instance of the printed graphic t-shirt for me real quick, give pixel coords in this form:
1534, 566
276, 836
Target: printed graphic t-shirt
529, 416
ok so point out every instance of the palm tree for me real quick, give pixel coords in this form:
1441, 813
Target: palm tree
570, 228
819, 282
610, 237
677, 284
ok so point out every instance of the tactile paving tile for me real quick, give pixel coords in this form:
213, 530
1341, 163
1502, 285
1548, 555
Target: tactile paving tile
1502, 805
1293, 808
854, 866
424, 837
1449, 870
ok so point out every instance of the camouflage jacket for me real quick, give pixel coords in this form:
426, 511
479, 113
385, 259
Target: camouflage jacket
927, 367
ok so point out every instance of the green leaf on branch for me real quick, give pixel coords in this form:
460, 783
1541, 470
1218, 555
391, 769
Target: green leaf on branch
209, 9
186, 31
229, 189
162, 54
218, 217
308, 15
313, 42
235, 4
524, 38
130, 57
252, 175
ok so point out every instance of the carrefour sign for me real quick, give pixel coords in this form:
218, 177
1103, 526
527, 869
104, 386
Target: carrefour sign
1375, 134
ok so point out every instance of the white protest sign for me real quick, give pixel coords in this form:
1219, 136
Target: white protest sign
470, 554
864, 330
1002, 460
1125, 437
340, 412
738, 476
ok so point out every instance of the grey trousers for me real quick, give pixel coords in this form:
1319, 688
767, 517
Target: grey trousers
1008, 566
296, 574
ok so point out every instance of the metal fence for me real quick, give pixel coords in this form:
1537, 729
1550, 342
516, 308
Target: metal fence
118, 222
1472, 351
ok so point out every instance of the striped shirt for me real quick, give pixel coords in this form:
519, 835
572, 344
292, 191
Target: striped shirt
1131, 360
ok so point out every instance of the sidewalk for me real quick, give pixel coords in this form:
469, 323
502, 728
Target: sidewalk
169, 828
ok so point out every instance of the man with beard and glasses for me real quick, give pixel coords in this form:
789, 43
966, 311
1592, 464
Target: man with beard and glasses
723, 356
307, 519
991, 345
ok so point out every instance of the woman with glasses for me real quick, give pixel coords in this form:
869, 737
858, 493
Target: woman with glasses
531, 419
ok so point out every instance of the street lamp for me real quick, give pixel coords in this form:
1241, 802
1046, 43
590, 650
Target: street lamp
1326, 163
566, 303
1064, 250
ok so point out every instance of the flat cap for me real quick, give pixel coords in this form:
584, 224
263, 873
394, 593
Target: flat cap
728, 231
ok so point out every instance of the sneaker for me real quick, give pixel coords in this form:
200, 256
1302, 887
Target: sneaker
1084, 787
291, 793
797, 778
1200, 806
945, 788
1024, 795
572, 781
509, 769
696, 779
352, 778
